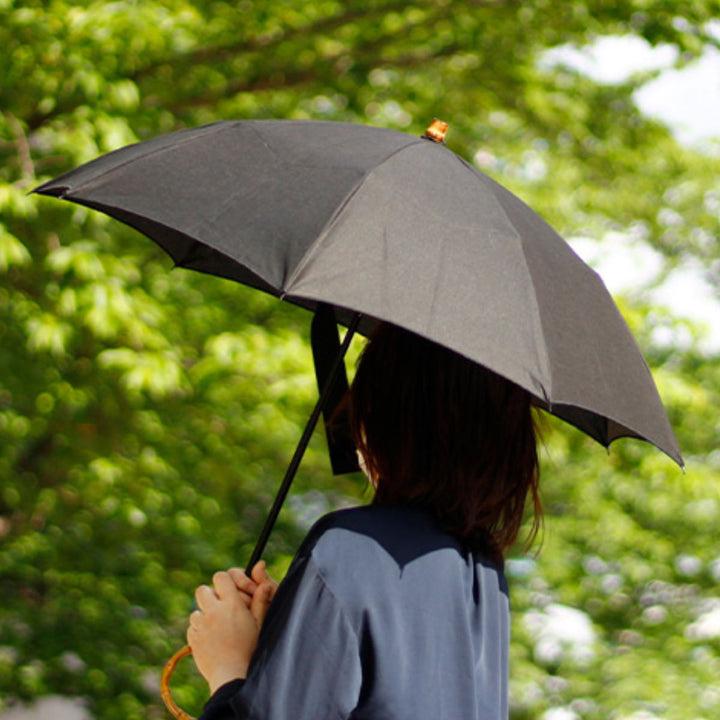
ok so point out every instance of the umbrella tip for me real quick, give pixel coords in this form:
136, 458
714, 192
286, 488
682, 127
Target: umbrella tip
436, 131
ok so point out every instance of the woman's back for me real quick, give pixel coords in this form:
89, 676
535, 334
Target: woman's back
383, 615
389, 612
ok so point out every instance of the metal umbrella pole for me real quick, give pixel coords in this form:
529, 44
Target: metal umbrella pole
302, 446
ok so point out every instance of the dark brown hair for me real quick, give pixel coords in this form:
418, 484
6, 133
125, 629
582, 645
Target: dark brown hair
439, 431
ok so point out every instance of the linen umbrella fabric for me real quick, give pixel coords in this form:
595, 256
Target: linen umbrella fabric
397, 228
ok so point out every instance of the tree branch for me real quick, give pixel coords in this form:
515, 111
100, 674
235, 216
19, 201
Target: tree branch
322, 27
371, 55
27, 169
212, 55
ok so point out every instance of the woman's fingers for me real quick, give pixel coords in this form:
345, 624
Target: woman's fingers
236, 584
204, 596
262, 578
261, 601
260, 575
224, 585
242, 581
244, 584
224, 588
259, 572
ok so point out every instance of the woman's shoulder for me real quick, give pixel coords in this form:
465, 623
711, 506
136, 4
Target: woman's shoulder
379, 523
343, 530
376, 538
360, 552
364, 516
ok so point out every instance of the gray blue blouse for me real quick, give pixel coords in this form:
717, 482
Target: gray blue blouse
382, 615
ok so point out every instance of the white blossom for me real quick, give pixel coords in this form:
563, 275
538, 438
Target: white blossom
688, 565
560, 631
559, 713
707, 625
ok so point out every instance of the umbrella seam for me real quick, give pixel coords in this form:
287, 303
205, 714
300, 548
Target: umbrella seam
89, 184
324, 166
547, 392
310, 252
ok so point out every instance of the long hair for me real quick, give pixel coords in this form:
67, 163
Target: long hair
439, 431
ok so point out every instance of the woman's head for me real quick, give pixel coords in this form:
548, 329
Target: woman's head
439, 431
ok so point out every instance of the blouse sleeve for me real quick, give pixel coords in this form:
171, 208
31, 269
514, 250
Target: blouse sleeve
307, 663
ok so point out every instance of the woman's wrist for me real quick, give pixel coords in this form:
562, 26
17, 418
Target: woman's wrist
223, 675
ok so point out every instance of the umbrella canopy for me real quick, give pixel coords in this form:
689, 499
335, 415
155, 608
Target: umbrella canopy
393, 227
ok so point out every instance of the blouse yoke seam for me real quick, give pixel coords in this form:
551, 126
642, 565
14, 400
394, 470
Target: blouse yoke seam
326, 585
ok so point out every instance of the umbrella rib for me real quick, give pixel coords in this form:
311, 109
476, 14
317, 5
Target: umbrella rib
338, 213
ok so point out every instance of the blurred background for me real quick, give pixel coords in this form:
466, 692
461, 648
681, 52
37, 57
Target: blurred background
147, 416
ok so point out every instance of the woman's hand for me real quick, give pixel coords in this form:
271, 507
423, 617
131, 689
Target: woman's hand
223, 633
248, 586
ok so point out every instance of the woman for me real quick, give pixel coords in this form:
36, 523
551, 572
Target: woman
398, 609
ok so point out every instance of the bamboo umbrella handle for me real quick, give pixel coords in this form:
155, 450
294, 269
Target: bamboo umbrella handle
165, 691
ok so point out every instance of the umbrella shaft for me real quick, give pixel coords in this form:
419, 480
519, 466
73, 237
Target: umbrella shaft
302, 445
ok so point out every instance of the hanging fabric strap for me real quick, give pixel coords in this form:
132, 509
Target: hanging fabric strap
326, 347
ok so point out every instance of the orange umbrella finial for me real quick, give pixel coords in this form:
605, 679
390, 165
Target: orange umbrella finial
436, 131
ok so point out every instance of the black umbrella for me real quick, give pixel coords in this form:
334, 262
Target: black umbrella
373, 224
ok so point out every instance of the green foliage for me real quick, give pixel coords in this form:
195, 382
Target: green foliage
146, 416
